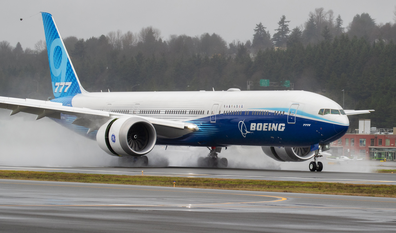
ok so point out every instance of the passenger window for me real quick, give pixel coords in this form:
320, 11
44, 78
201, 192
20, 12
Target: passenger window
321, 111
326, 111
335, 112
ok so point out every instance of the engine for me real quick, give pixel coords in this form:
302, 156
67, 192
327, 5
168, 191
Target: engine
289, 154
127, 136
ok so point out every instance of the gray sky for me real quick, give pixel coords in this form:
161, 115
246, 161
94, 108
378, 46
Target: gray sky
231, 19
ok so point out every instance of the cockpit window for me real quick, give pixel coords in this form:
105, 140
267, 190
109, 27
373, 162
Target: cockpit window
331, 111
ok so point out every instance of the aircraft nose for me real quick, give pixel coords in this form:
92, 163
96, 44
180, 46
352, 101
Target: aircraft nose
342, 128
338, 130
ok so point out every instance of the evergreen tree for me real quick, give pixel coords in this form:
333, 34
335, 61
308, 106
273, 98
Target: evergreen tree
338, 27
280, 37
326, 34
261, 38
18, 50
295, 38
363, 26
310, 32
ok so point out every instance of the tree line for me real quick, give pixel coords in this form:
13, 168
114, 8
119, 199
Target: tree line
354, 64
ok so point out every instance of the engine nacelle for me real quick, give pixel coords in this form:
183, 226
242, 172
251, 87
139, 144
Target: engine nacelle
127, 136
289, 154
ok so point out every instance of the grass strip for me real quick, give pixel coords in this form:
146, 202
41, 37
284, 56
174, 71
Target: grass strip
210, 183
386, 170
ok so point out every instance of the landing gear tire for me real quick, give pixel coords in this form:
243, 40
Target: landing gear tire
212, 160
201, 162
312, 166
131, 161
316, 165
145, 161
222, 163
319, 168
141, 161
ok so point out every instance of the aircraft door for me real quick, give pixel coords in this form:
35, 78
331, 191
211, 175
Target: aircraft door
136, 108
291, 118
213, 113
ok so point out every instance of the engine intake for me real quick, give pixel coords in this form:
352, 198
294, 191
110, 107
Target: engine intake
289, 154
127, 136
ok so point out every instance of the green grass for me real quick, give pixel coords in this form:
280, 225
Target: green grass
210, 183
386, 171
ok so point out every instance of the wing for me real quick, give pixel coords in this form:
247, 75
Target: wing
90, 118
357, 112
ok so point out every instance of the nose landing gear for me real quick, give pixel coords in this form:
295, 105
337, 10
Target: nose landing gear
314, 165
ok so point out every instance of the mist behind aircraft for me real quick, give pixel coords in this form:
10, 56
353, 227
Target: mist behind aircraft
44, 143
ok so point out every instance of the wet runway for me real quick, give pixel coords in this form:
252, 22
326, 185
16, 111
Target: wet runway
341, 177
36, 206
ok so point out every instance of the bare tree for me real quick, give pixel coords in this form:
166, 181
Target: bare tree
39, 46
128, 40
115, 39
316, 24
5, 46
394, 14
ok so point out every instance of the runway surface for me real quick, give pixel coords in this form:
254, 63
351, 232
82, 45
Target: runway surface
35, 206
341, 177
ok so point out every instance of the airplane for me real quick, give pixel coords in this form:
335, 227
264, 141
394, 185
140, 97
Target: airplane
290, 126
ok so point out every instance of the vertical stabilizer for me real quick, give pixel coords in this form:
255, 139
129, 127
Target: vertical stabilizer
64, 78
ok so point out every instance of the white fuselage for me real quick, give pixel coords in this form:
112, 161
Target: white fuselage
231, 117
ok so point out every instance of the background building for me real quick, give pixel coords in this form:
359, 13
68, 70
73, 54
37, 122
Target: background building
367, 143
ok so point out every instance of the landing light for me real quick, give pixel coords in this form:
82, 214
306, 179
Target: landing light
191, 127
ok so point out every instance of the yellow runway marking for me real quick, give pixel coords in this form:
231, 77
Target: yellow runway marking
277, 198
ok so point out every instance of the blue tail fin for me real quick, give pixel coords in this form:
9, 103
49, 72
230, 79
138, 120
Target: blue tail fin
64, 78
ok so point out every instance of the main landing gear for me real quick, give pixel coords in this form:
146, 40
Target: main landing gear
212, 160
314, 165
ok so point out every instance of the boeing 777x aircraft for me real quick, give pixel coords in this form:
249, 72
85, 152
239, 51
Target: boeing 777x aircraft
290, 126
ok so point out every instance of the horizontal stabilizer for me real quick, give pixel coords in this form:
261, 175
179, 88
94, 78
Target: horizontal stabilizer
357, 112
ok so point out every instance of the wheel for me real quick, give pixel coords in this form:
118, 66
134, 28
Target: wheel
201, 162
212, 162
141, 161
206, 162
320, 167
145, 161
312, 166
126, 161
222, 163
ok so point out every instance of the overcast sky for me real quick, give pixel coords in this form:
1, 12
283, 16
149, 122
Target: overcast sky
231, 19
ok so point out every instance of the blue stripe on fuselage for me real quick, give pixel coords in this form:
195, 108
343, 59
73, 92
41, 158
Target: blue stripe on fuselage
237, 129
